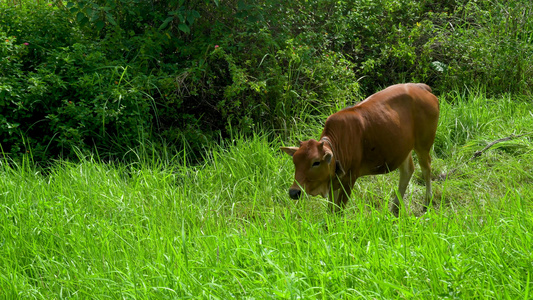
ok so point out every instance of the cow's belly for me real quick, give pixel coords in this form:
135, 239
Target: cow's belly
381, 164
383, 168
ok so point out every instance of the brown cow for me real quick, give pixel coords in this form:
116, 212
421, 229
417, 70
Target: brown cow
375, 136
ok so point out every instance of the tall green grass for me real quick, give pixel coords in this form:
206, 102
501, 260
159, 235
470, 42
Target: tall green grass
226, 228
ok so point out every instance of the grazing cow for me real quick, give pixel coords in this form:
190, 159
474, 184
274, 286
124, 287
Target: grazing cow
375, 136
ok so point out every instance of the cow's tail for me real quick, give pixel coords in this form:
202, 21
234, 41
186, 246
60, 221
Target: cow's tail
427, 88
424, 87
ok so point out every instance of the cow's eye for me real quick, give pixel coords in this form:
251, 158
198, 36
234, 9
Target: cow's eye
316, 164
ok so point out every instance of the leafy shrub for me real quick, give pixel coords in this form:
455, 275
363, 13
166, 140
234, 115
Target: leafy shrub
59, 95
115, 75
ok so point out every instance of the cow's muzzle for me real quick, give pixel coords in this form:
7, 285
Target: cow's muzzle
295, 193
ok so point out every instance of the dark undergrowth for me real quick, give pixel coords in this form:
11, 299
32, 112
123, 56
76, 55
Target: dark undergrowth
107, 77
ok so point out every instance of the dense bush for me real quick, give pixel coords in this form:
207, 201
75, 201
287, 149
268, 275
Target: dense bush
60, 93
108, 75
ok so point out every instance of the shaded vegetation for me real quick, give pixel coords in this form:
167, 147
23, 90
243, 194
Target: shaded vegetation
112, 76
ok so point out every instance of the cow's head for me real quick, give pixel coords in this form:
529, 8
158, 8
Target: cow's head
315, 166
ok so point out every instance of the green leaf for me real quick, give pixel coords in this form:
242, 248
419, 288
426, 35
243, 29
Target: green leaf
190, 19
165, 23
95, 17
70, 4
110, 19
89, 11
241, 5
438, 66
183, 27
80, 16
100, 25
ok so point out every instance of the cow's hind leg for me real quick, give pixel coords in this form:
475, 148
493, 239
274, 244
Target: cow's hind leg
424, 160
406, 171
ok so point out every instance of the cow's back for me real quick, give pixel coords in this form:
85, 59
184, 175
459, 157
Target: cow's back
380, 132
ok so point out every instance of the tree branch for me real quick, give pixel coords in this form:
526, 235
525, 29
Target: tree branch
478, 153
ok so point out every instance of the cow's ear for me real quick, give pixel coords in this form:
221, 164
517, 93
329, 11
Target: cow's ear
289, 150
339, 170
328, 157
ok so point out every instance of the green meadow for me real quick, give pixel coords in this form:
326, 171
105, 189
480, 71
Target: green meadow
162, 228
140, 149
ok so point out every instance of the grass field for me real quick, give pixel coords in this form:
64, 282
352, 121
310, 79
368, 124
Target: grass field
162, 229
